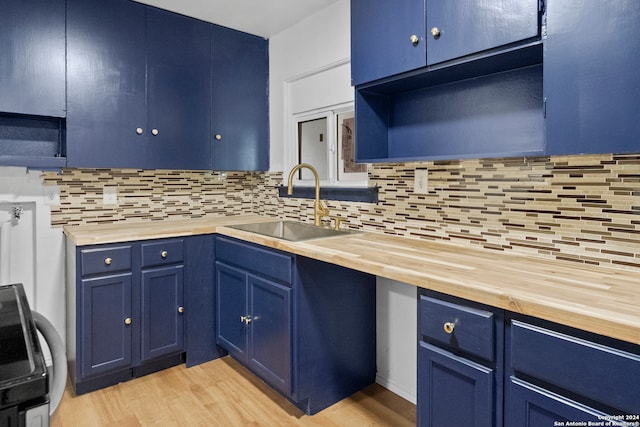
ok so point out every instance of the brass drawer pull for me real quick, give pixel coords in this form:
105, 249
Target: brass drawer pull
449, 327
107, 261
164, 254
127, 321
181, 309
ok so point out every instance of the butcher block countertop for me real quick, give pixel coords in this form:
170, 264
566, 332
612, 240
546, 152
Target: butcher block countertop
602, 300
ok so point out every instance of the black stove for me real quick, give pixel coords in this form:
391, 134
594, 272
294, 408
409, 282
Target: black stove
23, 372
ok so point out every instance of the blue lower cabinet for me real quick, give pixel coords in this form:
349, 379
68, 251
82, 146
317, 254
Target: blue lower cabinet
105, 304
305, 327
460, 363
162, 327
531, 406
482, 366
564, 374
254, 324
447, 380
129, 316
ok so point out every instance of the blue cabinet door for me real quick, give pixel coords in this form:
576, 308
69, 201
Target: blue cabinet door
178, 92
270, 332
454, 391
32, 66
531, 406
591, 84
162, 320
455, 30
381, 38
240, 105
231, 297
106, 83
106, 324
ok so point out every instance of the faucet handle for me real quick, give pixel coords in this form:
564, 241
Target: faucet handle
337, 222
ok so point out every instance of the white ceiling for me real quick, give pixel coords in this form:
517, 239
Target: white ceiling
261, 17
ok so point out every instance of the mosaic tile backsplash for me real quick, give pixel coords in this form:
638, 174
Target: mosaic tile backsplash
584, 209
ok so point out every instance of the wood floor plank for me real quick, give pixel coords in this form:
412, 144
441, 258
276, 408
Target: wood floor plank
220, 393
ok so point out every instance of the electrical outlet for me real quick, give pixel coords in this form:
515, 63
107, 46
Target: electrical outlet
51, 195
109, 195
421, 182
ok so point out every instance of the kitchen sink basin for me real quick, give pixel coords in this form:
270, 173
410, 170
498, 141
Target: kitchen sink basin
290, 230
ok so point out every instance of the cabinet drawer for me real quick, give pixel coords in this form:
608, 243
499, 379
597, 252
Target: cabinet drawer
458, 327
595, 371
263, 261
162, 252
105, 260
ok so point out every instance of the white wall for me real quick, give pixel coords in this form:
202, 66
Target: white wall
313, 44
37, 250
322, 42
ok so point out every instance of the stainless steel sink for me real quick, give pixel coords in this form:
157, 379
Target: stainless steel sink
290, 230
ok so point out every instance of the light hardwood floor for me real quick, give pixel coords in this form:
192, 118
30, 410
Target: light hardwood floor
220, 393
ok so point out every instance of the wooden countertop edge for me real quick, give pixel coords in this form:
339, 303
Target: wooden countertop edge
593, 318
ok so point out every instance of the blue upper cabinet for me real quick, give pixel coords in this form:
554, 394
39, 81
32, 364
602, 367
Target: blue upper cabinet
387, 38
239, 103
455, 30
392, 38
106, 83
32, 68
139, 88
591, 83
178, 92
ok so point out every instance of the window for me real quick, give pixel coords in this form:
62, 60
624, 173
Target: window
326, 140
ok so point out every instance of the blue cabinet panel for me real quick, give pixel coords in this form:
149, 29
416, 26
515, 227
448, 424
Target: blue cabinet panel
603, 374
531, 406
105, 304
381, 43
239, 102
178, 92
270, 332
472, 330
106, 83
591, 81
454, 391
463, 28
162, 327
232, 300
32, 63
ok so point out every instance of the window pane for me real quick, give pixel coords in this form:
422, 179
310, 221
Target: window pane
312, 147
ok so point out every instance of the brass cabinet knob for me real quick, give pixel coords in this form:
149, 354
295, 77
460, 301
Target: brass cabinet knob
139, 131
436, 33
163, 254
127, 321
414, 40
181, 309
448, 327
107, 261
218, 137
245, 319
154, 132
